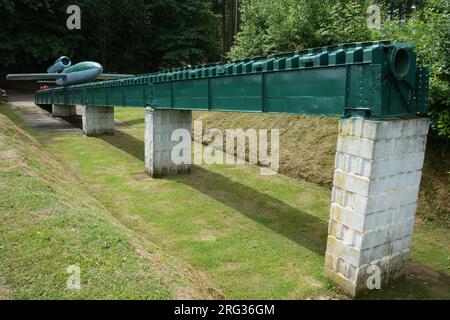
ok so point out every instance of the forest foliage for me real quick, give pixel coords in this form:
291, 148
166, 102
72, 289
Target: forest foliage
138, 36
125, 36
270, 26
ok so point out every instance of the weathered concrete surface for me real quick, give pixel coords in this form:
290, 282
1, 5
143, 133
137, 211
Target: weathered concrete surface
37, 118
98, 121
64, 111
159, 125
376, 183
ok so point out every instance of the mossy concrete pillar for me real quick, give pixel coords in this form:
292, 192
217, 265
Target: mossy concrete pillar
163, 143
98, 121
63, 111
375, 189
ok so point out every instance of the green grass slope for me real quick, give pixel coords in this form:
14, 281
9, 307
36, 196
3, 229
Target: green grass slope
254, 237
47, 222
308, 146
250, 236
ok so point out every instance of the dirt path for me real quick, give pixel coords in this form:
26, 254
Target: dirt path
39, 119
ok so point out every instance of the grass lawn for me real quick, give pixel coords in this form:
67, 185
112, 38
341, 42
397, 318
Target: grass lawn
251, 236
309, 146
48, 222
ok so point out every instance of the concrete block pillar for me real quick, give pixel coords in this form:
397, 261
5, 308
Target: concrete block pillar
376, 183
159, 126
59, 110
98, 121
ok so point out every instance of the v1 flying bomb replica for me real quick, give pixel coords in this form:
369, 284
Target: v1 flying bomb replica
62, 73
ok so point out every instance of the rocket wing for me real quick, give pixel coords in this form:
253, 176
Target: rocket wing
36, 76
46, 82
112, 76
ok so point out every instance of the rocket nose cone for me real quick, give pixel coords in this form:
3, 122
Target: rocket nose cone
99, 67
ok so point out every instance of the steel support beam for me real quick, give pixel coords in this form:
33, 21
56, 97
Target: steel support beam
376, 79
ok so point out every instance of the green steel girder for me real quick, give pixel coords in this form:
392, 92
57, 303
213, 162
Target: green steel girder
378, 79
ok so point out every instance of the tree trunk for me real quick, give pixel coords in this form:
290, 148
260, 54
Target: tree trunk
224, 26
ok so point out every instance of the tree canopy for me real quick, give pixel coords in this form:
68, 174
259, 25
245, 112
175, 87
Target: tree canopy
285, 25
125, 36
138, 36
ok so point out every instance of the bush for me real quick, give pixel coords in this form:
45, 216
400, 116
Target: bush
284, 25
429, 29
279, 25
346, 22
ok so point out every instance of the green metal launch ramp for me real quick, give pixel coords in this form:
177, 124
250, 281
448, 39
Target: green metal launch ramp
371, 79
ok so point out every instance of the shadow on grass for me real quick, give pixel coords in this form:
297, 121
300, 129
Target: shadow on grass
307, 230
133, 121
126, 143
75, 121
420, 282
